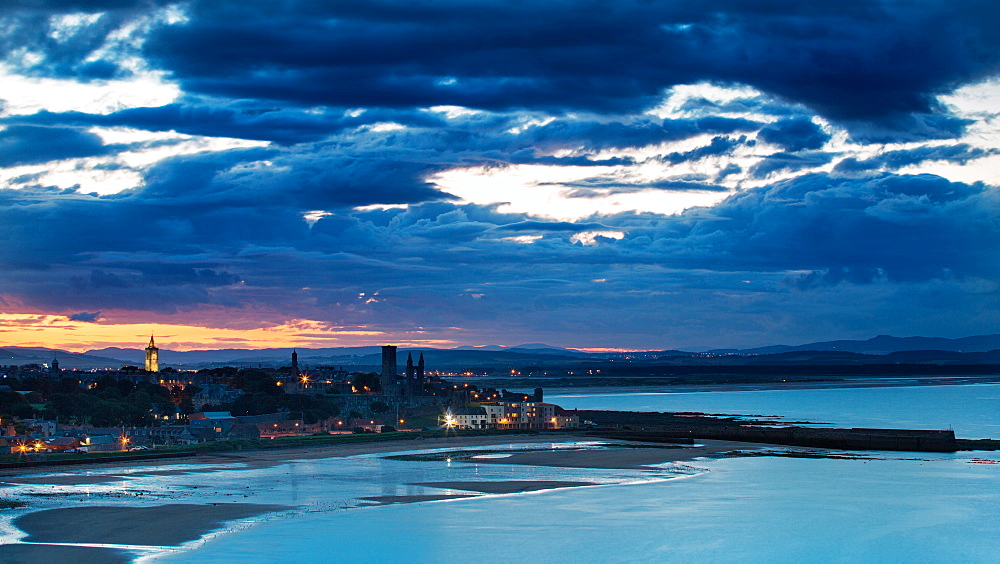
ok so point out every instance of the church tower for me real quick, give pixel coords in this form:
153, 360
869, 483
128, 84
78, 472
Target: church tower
295, 364
152, 357
410, 376
420, 376
388, 379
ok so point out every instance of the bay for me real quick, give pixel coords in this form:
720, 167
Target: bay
972, 411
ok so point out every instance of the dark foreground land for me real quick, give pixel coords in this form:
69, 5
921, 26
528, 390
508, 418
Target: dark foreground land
621, 425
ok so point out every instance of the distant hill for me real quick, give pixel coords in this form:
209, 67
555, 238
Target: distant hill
981, 349
40, 355
237, 356
884, 344
360, 358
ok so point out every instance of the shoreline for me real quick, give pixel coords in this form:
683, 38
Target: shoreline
71, 532
626, 385
255, 459
270, 457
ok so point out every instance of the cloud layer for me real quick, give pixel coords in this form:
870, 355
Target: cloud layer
624, 174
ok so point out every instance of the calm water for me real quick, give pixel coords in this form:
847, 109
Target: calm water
895, 507
973, 411
940, 509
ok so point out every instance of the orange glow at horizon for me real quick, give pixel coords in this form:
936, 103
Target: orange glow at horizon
59, 332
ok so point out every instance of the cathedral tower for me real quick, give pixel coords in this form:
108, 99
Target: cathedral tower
388, 379
411, 376
420, 376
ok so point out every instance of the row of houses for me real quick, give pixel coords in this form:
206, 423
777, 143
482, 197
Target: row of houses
48, 436
511, 415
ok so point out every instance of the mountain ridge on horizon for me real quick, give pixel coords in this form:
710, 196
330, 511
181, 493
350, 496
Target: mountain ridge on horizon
109, 356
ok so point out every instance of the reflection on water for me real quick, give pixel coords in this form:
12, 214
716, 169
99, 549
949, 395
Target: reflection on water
939, 508
898, 507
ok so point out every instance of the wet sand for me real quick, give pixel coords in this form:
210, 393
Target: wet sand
162, 525
635, 457
35, 553
174, 524
387, 499
503, 487
271, 457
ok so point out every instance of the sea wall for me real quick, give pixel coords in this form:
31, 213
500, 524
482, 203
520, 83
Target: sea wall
853, 439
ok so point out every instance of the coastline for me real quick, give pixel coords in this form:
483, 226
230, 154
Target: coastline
74, 533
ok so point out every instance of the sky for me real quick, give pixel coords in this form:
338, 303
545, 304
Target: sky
588, 174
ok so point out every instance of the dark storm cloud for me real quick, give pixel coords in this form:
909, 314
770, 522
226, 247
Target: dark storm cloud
729, 170
551, 226
906, 227
795, 135
717, 147
787, 162
894, 160
239, 120
600, 187
22, 145
853, 61
86, 317
157, 251
556, 83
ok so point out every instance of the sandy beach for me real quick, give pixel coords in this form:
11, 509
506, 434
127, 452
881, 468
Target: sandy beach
52, 532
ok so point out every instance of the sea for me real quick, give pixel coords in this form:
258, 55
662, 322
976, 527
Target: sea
854, 507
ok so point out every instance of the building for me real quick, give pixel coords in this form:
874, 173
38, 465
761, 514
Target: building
528, 415
295, 364
152, 357
388, 377
467, 418
414, 380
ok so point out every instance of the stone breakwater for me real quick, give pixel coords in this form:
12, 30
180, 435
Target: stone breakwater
666, 427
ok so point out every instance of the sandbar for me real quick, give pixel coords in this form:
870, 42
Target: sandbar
162, 525
65, 479
635, 457
387, 499
35, 553
253, 459
503, 487
174, 524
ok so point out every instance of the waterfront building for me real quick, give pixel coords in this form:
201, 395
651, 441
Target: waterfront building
528, 415
468, 418
152, 357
